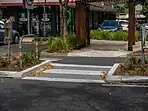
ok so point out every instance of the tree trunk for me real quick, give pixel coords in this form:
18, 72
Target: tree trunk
65, 31
63, 15
61, 21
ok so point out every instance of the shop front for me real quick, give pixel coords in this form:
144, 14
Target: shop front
48, 23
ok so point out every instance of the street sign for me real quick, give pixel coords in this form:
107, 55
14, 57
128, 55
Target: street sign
27, 3
23, 19
45, 19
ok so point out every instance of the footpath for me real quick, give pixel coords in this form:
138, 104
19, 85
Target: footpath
100, 48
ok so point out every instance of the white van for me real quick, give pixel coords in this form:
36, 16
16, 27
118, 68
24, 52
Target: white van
124, 24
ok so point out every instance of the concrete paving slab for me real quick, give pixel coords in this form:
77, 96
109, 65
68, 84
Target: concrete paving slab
73, 72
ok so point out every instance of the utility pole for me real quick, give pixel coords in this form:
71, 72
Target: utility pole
28, 18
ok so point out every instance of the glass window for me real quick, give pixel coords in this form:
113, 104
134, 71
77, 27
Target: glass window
110, 23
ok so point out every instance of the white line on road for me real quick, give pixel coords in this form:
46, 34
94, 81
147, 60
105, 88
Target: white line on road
51, 59
123, 85
70, 71
74, 65
63, 80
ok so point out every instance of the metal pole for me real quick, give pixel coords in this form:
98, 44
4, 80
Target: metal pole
37, 50
44, 19
21, 52
142, 43
28, 18
21, 49
9, 44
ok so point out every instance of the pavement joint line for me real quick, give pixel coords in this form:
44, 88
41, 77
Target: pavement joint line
73, 72
63, 80
51, 59
123, 85
74, 65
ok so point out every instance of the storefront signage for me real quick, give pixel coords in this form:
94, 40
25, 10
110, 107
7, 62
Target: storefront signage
23, 19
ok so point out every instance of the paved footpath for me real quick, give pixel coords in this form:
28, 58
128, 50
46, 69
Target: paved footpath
73, 73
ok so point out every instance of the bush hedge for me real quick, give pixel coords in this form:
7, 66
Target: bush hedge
109, 35
60, 44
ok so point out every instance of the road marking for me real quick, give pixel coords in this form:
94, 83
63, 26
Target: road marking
51, 59
123, 85
74, 65
70, 72
63, 80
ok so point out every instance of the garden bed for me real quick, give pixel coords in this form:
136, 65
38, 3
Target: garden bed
139, 51
14, 66
12, 69
137, 70
132, 67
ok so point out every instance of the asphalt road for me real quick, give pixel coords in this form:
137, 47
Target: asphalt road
103, 61
15, 48
20, 95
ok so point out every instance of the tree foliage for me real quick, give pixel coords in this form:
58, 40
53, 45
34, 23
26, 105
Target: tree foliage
119, 7
144, 3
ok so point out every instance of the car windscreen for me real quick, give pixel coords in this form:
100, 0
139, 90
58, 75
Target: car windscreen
110, 23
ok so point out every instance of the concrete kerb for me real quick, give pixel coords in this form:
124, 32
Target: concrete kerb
45, 53
21, 74
131, 79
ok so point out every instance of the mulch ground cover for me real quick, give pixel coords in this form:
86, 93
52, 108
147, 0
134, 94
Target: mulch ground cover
136, 70
14, 64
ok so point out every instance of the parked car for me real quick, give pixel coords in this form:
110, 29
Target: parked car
110, 25
95, 27
15, 34
124, 24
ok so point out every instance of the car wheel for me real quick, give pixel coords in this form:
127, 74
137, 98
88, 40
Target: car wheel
16, 39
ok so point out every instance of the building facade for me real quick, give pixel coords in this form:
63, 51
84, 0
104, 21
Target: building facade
98, 13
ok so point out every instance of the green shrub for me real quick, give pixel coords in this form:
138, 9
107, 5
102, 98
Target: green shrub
3, 62
109, 35
60, 44
131, 62
29, 58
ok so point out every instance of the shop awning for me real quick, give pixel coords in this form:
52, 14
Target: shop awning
118, 1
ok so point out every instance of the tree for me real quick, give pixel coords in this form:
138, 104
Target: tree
119, 7
63, 15
145, 7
